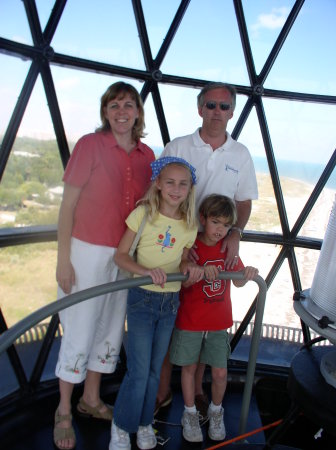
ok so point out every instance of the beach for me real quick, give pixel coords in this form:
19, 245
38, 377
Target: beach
27, 281
279, 301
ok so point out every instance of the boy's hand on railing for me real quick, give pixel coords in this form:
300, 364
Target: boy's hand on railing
211, 272
250, 273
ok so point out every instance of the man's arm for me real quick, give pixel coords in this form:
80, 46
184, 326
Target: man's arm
244, 209
231, 242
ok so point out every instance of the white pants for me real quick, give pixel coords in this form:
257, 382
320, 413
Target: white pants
93, 329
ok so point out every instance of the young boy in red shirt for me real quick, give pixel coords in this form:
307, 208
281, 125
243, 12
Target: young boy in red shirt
204, 315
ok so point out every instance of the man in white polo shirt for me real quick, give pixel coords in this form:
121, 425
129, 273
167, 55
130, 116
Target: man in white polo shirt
223, 166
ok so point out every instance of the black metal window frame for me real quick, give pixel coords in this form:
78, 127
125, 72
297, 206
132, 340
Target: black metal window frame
42, 56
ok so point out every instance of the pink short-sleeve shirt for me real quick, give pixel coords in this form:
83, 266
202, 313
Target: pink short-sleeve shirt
111, 182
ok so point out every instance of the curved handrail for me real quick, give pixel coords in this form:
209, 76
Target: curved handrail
9, 336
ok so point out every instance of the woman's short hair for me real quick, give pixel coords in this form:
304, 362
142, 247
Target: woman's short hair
118, 90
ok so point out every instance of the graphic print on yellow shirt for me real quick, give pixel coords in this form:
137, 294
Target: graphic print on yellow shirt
161, 244
166, 240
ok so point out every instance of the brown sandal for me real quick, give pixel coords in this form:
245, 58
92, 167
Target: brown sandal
61, 434
165, 402
94, 412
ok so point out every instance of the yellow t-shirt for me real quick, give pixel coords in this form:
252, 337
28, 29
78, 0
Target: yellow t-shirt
161, 244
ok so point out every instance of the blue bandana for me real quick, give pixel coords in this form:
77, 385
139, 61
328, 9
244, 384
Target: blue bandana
160, 163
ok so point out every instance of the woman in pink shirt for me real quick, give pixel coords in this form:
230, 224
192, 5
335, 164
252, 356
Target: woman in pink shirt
108, 171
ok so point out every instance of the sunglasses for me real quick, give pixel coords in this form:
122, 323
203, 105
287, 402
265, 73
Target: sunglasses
223, 106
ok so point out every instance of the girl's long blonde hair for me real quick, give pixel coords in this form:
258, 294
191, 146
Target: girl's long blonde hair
151, 201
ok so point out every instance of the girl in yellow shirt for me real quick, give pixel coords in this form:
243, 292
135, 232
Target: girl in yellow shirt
169, 233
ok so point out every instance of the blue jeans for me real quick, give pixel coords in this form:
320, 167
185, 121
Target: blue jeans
150, 321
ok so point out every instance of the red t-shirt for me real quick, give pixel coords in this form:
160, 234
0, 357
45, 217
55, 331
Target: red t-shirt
206, 306
111, 182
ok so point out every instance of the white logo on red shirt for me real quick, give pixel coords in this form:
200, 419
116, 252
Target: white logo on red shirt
216, 287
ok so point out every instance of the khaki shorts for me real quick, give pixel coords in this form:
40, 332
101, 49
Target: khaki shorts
209, 347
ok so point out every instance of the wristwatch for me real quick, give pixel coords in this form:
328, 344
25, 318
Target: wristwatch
239, 230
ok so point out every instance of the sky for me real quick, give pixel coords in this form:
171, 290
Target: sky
207, 46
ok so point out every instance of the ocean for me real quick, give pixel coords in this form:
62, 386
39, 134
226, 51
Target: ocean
299, 170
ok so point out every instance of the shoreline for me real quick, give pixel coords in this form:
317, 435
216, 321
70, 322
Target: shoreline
279, 301
279, 308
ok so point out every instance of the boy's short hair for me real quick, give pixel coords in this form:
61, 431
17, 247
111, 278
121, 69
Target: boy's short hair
216, 205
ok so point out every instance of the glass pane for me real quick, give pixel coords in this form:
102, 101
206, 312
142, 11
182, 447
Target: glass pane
8, 378
31, 188
79, 95
305, 63
207, 35
49, 369
279, 304
27, 279
264, 20
18, 29
298, 142
28, 358
317, 221
264, 215
243, 297
158, 17
301, 155
44, 8
180, 107
240, 104
251, 135
36, 121
12, 76
103, 31
307, 262
153, 134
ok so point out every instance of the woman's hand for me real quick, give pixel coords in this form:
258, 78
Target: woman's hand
65, 276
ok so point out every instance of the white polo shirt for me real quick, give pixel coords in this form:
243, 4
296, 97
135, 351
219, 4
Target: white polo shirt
229, 170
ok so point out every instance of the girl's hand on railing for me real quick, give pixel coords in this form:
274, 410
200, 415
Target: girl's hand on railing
158, 276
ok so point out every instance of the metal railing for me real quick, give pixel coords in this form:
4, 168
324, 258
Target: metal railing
13, 333
268, 331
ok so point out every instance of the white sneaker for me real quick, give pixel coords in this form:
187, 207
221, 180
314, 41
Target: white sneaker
191, 428
216, 425
146, 438
119, 439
